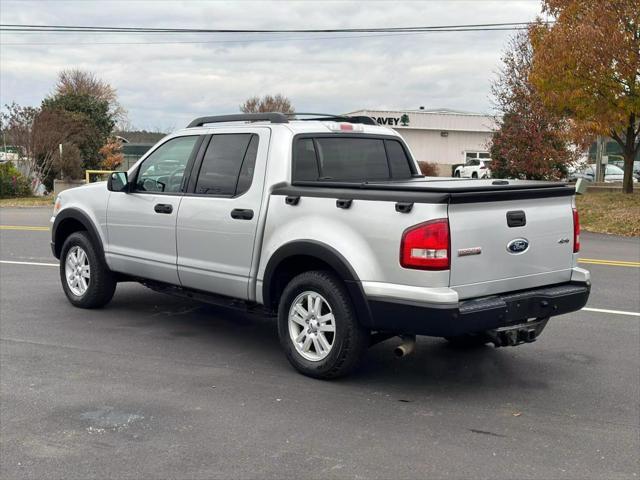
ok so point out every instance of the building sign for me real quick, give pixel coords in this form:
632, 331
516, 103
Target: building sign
402, 121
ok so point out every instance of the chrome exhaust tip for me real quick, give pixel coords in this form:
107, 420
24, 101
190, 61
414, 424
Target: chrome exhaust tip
407, 346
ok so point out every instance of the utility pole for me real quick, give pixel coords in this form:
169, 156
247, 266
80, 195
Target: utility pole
599, 151
61, 174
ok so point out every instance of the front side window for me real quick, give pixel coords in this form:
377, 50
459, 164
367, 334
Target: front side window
228, 164
163, 170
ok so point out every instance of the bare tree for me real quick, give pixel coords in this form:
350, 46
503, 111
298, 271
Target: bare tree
81, 82
17, 126
268, 103
69, 165
38, 135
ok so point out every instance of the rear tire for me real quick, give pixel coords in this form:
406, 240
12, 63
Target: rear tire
468, 341
474, 175
318, 328
456, 174
86, 279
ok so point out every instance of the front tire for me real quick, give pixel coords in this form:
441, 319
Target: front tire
86, 279
318, 328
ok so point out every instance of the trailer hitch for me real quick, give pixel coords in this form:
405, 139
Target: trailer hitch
513, 335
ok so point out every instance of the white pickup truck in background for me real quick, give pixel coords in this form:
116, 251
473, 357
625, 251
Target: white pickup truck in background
326, 224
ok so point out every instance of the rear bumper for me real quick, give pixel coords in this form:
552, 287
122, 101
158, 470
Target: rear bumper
478, 314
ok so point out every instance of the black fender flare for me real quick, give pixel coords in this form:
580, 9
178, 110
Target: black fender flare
82, 218
328, 255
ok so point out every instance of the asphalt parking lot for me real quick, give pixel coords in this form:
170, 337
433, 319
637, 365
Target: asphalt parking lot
156, 387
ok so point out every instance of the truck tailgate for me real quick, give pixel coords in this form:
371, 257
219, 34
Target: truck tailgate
509, 245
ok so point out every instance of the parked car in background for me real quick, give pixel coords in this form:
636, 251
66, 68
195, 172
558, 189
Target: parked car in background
9, 154
612, 174
636, 167
474, 168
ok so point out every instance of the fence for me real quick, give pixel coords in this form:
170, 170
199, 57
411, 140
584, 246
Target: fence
88, 173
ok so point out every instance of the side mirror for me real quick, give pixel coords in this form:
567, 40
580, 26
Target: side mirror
118, 182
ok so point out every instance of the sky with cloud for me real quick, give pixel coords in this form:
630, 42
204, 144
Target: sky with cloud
164, 80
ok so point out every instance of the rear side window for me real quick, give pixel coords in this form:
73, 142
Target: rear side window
306, 166
224, 163
248, 166
398, 160
352, 159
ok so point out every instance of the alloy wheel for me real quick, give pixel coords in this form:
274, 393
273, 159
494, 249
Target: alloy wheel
312, 326
77, 271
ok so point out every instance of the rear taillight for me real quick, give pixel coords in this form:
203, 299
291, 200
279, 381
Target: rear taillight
426, 246
576, 231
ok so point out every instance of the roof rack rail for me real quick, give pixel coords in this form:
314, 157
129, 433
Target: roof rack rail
277, 117
273, 117
329, 116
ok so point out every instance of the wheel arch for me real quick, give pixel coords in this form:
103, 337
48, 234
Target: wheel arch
299, 256
69, 221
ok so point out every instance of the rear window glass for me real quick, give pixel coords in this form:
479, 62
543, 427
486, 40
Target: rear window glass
352, 159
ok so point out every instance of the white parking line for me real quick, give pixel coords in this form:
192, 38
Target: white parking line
615, 312
586, 309
37, 264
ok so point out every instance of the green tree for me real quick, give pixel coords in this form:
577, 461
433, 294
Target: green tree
92, 101
12, 182
95, 113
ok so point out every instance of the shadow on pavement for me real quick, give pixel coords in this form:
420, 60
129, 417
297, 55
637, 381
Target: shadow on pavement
253, 342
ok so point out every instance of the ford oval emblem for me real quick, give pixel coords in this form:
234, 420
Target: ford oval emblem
518, 245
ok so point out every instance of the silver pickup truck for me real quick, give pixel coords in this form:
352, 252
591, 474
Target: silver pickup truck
327, 224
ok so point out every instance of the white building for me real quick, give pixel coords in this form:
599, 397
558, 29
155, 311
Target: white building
445, 137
